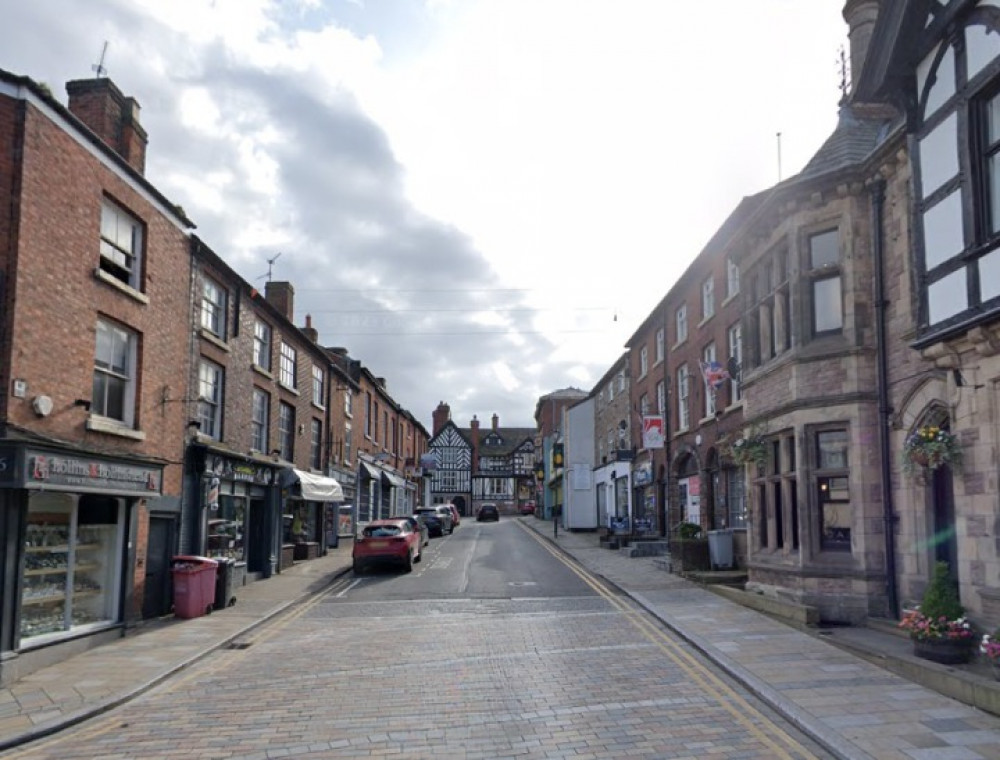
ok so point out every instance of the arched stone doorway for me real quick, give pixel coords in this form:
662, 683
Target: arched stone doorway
460, 505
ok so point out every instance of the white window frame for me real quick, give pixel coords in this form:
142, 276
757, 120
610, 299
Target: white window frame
660, 345
708, 356
708, 298
643, 361
661, 396
732, 278
734, 336
262, 339
681, 323
287, 369
115, 360
211, 386
121, 247
214, 301
316, 444
683, 393
286, 430
260, 420
319, 386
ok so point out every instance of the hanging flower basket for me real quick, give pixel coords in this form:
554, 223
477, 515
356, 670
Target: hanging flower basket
929, 448
749, 448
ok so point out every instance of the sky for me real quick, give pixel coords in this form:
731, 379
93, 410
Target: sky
480, 199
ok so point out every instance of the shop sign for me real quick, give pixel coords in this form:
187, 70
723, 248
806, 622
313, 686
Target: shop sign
242, 472
642, 474
56, 470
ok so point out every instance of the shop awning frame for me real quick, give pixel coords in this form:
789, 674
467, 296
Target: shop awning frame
371, 472
393, 479
314, 487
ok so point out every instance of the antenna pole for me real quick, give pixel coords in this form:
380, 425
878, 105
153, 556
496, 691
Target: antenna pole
98, 68
778, 135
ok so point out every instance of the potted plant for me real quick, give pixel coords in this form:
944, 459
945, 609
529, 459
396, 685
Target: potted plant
989, 648
937, 627
930, 447
689, 550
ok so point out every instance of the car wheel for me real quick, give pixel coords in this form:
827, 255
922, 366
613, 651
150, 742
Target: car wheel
419, 557
408, 564
357, 567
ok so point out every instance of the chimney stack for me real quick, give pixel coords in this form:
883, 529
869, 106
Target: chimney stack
281, 295
475, 443
496, 421
112, 116
309, 331
440, 417
860, 16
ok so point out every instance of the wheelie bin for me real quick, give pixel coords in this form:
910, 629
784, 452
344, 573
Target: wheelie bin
194, 585
224, 596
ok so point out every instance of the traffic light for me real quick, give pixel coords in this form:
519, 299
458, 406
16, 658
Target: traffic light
557, 455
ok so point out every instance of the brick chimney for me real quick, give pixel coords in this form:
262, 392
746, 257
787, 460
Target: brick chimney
281, 295
112, 116
496, 421
475, 443
309, 331
440, 417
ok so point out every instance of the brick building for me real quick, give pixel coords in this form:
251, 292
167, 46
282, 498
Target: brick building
94, 269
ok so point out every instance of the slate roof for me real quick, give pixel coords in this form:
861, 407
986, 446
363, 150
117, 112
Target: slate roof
512, 438
851, 143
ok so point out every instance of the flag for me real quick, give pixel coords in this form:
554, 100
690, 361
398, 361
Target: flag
714, 373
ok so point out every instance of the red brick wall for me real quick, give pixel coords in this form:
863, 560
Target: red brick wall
58, 300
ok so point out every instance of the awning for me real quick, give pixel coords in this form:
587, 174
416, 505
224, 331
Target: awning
314, 487
394, 480
368, 471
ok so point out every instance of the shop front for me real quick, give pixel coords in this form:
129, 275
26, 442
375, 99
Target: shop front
68, 530
341, 518
310, 500
235, 497
643, 498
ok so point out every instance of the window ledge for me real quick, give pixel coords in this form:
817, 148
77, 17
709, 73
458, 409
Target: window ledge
99, 424
318, 406
261, 371
100, 274
729, 299
290, 389
678, 344
214, 339
705, 320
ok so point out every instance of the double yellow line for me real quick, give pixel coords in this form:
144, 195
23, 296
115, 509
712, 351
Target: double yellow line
777, 740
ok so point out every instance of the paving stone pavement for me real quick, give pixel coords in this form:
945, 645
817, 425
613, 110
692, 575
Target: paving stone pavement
853, 708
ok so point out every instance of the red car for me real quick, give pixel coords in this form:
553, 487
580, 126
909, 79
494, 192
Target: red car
528, 508
387, 541
456, 518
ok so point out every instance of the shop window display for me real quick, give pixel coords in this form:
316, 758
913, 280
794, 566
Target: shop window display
227, 529
70, 563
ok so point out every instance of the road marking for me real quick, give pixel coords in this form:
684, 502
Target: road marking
743, 712
348, 587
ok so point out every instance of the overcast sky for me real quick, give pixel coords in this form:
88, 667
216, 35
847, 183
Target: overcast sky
480, 199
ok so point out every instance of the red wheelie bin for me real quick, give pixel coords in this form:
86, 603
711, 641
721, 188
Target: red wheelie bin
194, 585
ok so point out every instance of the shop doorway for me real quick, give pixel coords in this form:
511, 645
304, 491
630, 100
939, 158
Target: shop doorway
257, 550
944, 538
459, 502
156, 597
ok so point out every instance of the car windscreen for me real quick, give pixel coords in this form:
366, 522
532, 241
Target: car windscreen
382, 531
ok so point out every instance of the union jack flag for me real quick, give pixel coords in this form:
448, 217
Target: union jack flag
714, 373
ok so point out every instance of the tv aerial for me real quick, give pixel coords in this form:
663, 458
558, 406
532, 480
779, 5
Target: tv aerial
270, 266
98, 68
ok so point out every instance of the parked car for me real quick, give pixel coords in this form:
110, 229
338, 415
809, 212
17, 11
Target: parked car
421, 527
456, 518
488, 512
438, 519
528, 508
387, 541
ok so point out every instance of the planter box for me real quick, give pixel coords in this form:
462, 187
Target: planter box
689, 554
944, 651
